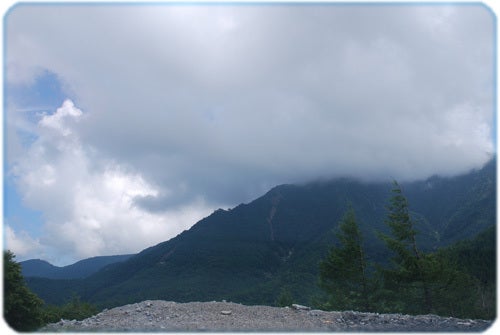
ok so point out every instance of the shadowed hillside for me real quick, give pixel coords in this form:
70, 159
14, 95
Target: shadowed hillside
251, 253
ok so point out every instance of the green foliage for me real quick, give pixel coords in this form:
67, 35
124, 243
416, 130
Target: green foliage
285, 298
73, 310
344, 273
411, 271
22, 308
458, 281
25, 311
455, 290
475, 259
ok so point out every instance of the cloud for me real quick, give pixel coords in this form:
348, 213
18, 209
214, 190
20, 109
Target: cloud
214, 113
88, 202
21, 244
63, 115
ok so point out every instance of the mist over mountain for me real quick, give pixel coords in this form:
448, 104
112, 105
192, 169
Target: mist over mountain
252, 252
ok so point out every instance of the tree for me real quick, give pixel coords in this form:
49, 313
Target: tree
75, 309
343, 274
471, 292
22, 308
412, 271
285, 298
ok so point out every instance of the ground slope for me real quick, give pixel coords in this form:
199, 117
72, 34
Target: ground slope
166, 316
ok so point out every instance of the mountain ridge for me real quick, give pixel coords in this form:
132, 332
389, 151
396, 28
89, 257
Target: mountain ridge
253, 251
80, 269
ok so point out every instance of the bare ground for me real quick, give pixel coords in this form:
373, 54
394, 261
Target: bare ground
167, 316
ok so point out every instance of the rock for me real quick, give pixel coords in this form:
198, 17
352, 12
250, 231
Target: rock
301, 307
169, 317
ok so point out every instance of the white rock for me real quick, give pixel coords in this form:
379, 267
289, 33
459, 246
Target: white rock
301, 307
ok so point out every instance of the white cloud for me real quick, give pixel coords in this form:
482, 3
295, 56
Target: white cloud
464, 128
196, 106
88, 204
21, 244
59, 118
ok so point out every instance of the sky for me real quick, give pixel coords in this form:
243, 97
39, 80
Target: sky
126, 124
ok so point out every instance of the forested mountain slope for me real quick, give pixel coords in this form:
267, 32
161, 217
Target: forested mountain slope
254, 252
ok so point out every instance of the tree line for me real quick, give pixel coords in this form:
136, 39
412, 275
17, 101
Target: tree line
443, 282
25, 311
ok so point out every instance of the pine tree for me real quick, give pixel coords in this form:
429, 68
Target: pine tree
412, 272
343, 274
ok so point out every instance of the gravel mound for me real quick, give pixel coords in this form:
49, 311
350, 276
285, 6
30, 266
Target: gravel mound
167, 316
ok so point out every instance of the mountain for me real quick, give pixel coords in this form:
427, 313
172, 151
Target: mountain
80, 269
255, 251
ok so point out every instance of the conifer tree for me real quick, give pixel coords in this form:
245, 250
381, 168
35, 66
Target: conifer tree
343, 274
411, 272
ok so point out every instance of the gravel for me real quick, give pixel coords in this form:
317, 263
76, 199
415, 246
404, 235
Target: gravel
168, 316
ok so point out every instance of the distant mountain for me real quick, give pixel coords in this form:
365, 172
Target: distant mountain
80, 269
251, 253
453, 209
